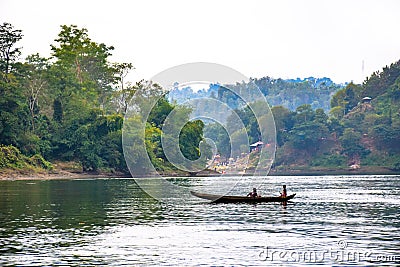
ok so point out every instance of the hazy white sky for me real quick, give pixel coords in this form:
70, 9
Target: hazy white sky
280, 38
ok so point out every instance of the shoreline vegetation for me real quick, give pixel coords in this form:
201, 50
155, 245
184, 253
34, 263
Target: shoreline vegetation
63, 117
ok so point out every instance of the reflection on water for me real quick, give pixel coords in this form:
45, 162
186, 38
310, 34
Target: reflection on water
113, 222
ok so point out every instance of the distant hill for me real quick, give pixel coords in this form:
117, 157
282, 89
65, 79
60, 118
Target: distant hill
289, 93
361, 131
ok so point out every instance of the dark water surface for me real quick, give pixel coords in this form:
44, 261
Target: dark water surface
333, 220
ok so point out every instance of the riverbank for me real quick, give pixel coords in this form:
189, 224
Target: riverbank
58, 175
65, 174
306, 171
59, 171
72, 170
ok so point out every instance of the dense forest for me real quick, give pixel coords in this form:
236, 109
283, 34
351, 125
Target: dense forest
362, 128
70, 108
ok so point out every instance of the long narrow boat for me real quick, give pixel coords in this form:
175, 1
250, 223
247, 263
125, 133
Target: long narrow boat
240, 199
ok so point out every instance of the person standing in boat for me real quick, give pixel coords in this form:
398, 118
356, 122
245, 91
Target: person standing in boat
284, 192
253, 194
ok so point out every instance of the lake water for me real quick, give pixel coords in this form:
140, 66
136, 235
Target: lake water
333, 220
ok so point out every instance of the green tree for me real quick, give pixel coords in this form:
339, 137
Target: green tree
85, 65
386, 137
304, 113
249, 120
337, 112
284, 122
14, 115
8, 52
219, 135
239, 142
347, 98
351, 144
190, 138
380, 81
35, 84
320, 116
160, 112
307, 136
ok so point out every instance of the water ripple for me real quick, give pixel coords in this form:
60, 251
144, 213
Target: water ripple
113, 222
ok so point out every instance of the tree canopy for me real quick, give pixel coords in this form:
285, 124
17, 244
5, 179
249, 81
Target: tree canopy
71, 106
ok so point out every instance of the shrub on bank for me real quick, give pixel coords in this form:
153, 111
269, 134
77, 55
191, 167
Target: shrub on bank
328, 160
12, 158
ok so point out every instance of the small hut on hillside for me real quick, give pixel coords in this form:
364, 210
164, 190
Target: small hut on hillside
256, 146
366, 99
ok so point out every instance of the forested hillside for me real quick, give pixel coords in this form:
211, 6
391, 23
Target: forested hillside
361, 129
70, 107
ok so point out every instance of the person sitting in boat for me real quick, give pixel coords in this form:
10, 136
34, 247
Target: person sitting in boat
254, 193
284, 192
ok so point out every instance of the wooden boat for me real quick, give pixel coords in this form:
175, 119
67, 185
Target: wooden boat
240, 199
